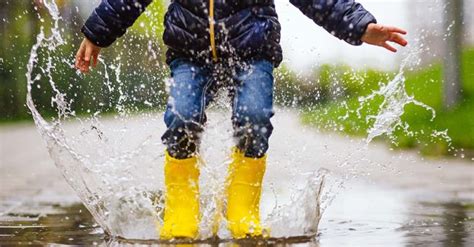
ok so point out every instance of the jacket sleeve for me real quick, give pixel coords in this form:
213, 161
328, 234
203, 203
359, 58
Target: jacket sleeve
344, 19
111, 19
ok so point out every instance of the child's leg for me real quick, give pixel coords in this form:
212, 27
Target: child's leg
253, 108
184, 117
184, 114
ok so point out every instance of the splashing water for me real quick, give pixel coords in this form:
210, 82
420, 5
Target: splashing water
114, 163
395, 98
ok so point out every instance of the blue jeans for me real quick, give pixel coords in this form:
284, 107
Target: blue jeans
193, 86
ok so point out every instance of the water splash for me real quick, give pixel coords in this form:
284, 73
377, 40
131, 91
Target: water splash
395, 98
114, 162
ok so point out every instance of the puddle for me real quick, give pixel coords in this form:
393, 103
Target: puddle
447, 224
387, 217
74, 225
361, 216
60, 224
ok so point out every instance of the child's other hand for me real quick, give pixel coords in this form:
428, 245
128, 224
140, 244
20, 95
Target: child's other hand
377, 34
86, 53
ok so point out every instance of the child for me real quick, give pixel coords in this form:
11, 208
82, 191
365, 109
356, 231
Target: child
216, 43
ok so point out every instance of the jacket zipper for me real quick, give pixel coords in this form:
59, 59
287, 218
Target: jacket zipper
211, 30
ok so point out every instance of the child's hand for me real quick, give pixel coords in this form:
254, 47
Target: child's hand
377, 34
39, 3
86, 53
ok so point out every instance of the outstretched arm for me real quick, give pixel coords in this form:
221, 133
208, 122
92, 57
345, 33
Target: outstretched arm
108, 22
344, 19
350, 21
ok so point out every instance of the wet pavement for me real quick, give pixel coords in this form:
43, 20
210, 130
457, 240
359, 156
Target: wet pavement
396, 199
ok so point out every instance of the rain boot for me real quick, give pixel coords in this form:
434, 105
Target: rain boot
244, 183
181, 215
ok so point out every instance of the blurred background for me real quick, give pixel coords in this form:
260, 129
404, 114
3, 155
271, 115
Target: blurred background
321, 76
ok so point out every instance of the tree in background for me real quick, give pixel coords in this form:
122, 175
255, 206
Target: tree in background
453, 24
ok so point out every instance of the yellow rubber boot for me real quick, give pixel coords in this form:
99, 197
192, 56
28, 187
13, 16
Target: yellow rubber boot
243, 195
181, 216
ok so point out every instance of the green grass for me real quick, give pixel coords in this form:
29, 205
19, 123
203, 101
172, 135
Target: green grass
426, 86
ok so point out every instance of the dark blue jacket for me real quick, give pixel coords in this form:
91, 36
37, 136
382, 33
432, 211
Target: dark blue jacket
243, 29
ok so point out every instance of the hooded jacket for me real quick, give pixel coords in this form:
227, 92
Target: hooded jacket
212, 30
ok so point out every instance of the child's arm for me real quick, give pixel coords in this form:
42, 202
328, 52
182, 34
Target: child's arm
350, 22
108, 22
